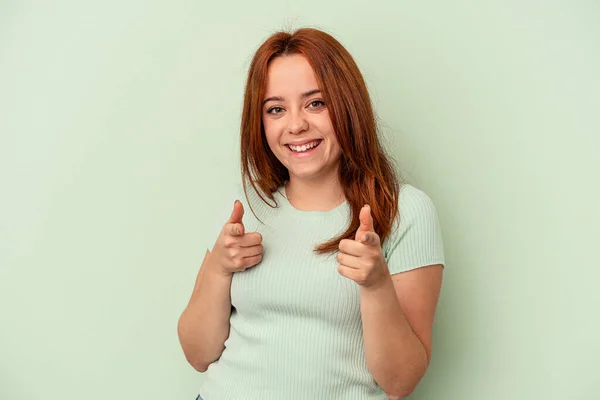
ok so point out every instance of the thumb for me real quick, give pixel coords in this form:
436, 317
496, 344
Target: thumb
234, 225
237, 214
235, 220
366, 223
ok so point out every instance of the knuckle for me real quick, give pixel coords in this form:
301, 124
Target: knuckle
255, 241
238, 229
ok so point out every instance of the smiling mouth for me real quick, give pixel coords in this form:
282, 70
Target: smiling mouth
304, 148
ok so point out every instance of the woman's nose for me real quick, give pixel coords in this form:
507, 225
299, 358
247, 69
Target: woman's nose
298, 123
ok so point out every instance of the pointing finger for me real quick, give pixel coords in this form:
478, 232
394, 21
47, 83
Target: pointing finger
370, 239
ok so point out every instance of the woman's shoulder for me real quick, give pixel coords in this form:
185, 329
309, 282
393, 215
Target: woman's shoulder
416, 238
413, 200
416, 210
253, 199
410, 194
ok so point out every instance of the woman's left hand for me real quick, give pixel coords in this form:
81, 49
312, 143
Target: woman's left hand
362, 259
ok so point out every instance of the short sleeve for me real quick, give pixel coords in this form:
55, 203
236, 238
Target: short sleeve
416, 238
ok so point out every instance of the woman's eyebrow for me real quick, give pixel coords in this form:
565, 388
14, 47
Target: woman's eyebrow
303, 95
310, 93
273, 98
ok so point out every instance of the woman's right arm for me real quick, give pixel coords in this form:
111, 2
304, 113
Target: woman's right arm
203, 326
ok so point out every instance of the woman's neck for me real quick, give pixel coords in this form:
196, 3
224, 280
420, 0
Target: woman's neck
306, 195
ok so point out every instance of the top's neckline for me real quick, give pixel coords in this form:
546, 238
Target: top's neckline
341, 209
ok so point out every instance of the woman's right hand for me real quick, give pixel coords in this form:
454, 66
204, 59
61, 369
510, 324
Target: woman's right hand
235, 250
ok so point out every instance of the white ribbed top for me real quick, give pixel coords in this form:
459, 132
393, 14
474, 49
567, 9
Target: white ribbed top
296, 331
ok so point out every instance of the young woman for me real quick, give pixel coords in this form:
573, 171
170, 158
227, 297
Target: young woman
328, 288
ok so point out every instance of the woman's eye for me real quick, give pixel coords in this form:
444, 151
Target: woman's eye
316, 104
275, 110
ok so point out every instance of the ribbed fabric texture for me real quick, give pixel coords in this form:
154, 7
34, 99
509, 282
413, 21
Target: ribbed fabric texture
296, 331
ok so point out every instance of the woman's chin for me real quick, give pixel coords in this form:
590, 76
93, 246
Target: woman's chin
306, 174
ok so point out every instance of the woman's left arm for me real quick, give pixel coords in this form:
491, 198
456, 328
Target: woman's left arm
397, 316
397, 310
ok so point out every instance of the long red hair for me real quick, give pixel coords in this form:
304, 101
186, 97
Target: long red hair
366, 172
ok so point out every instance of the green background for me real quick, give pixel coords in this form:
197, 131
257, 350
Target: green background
119, 127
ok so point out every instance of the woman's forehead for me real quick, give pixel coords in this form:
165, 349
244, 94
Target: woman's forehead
292, 74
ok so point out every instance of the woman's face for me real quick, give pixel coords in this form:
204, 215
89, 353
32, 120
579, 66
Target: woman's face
296, 121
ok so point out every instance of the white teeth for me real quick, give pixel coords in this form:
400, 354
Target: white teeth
304, 147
